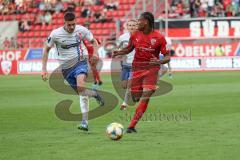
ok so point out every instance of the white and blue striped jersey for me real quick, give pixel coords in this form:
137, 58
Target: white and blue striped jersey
70, 46
123, 41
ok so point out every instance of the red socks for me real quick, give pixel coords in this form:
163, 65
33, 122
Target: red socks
95, 73
138, 114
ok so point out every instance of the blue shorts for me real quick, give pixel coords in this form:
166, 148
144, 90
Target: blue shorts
70, 74
126, 72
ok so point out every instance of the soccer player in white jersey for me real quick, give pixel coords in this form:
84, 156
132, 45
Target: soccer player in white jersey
166, 67
131, 26
72, 54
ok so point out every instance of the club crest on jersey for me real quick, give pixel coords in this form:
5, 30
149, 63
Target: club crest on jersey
78, 37
153, 41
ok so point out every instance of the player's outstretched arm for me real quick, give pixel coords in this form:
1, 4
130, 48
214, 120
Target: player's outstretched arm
124, 51
44, 62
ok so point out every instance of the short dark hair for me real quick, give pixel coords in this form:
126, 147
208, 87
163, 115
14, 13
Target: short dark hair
69, 16
149, 16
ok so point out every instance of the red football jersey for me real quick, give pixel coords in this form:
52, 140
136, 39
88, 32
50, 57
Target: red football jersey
147, 47
89, 47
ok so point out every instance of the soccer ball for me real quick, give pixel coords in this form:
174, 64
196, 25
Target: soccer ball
114, 131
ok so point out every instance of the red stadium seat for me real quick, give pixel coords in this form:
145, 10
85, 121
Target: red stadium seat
18, 17
20, 35
93, 26
37, 34
78, 9
120, 13
127, 1
124, 7
44, 34
81, 20
25, 41
106, 32
109, 25
110, 14
43, 27
30, 34
49, 28
37, 28
97, 8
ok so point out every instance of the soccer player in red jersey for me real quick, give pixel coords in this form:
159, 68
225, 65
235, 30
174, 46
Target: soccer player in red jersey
93, 64
146, 64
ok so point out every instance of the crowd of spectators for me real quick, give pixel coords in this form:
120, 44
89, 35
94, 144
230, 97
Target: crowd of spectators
10, 43
203, 8
44, 10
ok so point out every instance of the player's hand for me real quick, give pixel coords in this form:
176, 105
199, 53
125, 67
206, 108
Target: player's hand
44, 75
155, 61
115, 54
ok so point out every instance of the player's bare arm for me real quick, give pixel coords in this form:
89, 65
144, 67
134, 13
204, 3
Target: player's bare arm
124, 51
157, 61
95, 47
44, 62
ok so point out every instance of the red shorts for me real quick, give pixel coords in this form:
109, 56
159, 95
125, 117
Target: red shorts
144, 79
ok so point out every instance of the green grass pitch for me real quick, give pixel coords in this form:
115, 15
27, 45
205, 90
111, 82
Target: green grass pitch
209, 128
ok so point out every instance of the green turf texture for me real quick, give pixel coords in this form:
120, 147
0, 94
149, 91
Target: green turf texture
209, 128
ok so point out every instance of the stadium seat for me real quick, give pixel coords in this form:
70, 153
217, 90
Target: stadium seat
37, 34
127, 1
28, 34
78, 9
124, 7
106, 32
20, 35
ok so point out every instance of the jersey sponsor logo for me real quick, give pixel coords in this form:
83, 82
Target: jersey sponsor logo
6, 67
145, 49
70, 45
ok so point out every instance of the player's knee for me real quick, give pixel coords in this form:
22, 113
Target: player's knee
80, 89
148, 93
124, 84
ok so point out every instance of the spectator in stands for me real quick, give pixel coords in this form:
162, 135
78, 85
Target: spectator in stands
1, 8
12, 7
88, 2
39, 18
58, 6
71, 6
86, 12
47, 18
99, 17
111, 5
24, 26
236, 6
13, 43
220, 10
99, 2
41, 6
210, 4
230, 10
6, 43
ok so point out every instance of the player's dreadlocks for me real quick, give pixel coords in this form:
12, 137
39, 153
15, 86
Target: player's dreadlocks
149, 16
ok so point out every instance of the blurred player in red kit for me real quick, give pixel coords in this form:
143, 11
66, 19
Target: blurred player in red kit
147, 43
93, 64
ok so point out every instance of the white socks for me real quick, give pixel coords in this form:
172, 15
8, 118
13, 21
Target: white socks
126, 97
84, 107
